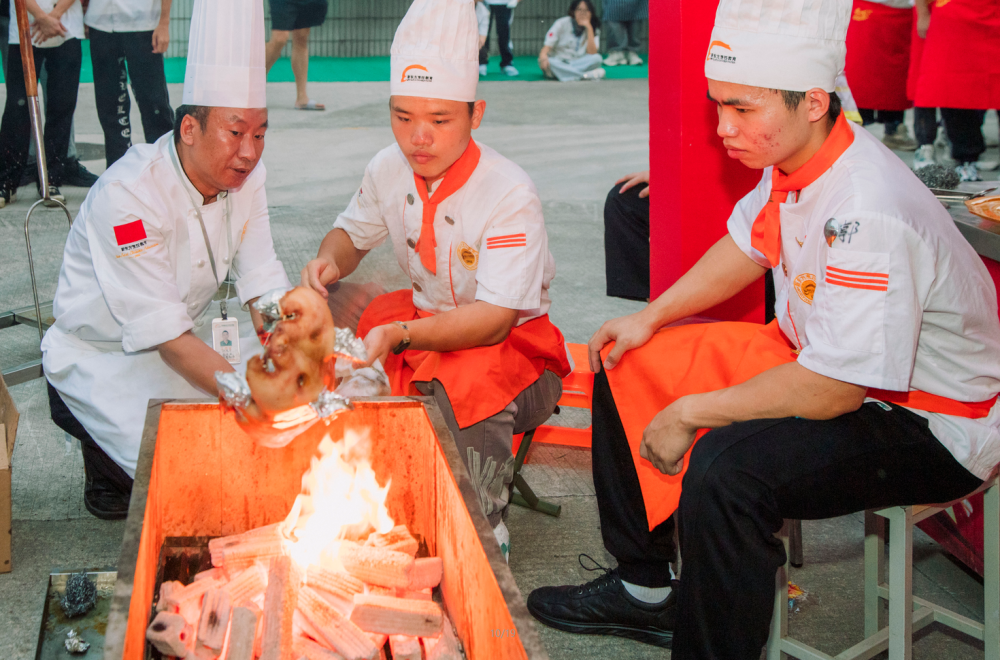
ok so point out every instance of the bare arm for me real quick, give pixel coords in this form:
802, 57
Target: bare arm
720, 274
194, 360
469, 326
543, 58
337, 258
591, 40
161, 34
789, 390
46, 25
923, 17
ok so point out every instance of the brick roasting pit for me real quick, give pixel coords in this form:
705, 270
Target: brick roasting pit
226, 551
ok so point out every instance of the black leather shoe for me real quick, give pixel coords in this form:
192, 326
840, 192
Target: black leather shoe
75, 174
105, 501
604, 607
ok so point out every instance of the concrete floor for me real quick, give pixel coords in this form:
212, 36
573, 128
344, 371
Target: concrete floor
574, 140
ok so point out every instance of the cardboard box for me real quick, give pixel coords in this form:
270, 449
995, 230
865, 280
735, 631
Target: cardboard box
8, 431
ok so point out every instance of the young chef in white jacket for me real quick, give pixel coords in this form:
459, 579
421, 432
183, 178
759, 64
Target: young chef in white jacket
149, 249
876, 385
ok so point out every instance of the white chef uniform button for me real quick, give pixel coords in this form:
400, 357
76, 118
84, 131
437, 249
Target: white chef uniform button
193, 306
416, 287
201, 263
225, 260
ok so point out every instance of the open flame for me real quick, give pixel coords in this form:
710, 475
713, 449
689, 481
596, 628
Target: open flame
340, 500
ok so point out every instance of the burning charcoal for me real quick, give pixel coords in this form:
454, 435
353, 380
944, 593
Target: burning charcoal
338, 631
423, 594
398, 539
378, 639
248, 585
211, 574
244, 554
426, 573
186, 600
171, 635
396, 616
214, 622
216, 544
242, 633
936, 176
381, 591
302, 628
405, 648
74, 643
310, 650
337, 583
166, 601
377, 566
280, 601
81, 595
445, 647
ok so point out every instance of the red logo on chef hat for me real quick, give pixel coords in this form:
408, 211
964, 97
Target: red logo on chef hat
720, 57
412, 74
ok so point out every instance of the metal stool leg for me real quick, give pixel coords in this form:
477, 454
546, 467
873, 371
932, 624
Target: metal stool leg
795, 543
991, 572
779, 619
525, 496
900, 583
874, 571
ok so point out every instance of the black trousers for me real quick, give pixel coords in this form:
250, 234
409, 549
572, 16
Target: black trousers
626, 243
965, 130
500, 15
99, 466
925, 125
888, 117
118, 57
62, 64
742, 482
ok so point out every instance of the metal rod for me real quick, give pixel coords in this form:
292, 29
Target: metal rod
31, 261
35, 112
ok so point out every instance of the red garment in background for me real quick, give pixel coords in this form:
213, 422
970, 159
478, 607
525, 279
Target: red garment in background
960, 65
916, 53
878, 55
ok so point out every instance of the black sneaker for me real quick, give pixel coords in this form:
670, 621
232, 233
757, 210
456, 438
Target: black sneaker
604, 607
75, 174
54, 195
8, 195
103, 500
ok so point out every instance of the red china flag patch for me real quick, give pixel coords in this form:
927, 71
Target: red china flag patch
510, 240
856, 279
130, 232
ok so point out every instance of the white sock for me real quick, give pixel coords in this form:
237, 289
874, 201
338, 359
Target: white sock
650, 595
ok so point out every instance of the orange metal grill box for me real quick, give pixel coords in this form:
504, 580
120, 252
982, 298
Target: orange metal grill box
198, 474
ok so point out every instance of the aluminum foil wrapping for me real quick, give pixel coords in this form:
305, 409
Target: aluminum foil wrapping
75, 644
366, 381
269, 306
233, 389
330, 403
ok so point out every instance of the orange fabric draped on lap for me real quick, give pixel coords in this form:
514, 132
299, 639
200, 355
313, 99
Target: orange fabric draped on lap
480, 382
692, 359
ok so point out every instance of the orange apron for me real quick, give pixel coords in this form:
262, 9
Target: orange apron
692, 359
480, 382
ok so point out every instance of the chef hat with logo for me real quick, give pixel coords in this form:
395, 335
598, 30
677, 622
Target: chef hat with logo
779, 44
225, 62
435, 53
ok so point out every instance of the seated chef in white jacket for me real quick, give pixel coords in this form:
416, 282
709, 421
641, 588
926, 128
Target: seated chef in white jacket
147, 253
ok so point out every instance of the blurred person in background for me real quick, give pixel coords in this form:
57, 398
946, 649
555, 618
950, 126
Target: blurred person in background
127, 42
295, 18
502, 13
572, 45
623, 19
960, 73
483, 19
56, 29
925, 120
878, 59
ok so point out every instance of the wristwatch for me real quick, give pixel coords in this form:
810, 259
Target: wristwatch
403, 345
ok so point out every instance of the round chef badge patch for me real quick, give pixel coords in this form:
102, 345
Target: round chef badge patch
468, 256
805, 286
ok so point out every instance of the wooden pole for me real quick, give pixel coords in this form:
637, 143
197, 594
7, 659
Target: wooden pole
27, 53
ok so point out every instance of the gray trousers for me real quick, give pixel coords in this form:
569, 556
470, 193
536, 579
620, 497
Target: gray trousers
487, 447
568, 71
623, 35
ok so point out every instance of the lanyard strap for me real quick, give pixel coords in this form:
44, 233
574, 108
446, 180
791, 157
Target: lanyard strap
204, 231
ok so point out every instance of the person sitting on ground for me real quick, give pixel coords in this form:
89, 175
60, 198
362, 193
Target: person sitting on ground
56, 30
572, 45
466, 226
296, 18
876, 385
626, 237
623, 20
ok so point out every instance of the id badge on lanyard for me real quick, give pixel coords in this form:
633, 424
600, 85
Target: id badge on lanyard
225, 331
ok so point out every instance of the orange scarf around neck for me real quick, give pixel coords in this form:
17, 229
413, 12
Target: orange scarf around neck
765, 236
456, 177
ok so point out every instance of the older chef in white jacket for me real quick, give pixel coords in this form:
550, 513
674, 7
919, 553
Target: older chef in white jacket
149, 250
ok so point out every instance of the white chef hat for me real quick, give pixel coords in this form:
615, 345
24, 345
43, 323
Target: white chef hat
779, 44
225, 62
435, 53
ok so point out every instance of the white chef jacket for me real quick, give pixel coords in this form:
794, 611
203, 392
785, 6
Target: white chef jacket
491, 240
900, 301
136, 274
123, 15
565, 43
72, 20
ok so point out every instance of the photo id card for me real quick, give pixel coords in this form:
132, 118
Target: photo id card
226, 339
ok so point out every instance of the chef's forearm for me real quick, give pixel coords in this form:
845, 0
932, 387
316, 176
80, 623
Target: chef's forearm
61, 7
32, 8
194, 360
788, 390
165, 11
469, 326
720, 274
338, 248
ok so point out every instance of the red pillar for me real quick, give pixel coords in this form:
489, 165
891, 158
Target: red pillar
695, 184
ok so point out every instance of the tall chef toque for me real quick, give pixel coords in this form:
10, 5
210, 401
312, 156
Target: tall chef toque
225, 63
779, 44
435, 53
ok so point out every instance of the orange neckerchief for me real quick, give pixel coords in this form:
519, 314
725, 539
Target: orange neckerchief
456, 177
765, 236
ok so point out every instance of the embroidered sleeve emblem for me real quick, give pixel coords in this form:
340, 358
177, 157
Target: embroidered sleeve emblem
468, 256
805, 286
